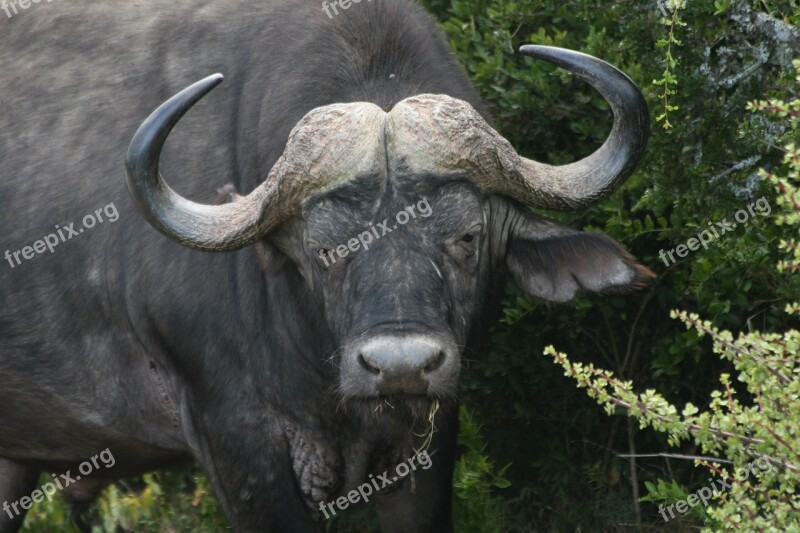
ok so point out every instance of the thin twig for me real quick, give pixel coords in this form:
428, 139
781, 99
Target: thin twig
677, 456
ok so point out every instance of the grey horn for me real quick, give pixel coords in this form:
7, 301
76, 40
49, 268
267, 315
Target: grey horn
586, 181
309, 164
437, 134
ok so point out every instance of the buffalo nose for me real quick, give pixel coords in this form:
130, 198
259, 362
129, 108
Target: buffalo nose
418, 364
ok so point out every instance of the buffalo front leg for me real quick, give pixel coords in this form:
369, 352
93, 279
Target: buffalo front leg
246, 457
81, 495
16, 482
423, 503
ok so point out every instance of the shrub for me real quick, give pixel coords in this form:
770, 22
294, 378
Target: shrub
753, 419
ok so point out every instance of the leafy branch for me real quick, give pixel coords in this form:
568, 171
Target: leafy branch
669, 80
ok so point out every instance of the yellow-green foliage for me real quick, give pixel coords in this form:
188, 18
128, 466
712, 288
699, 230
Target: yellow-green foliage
671, 20
162, 502
476, 507
787, 186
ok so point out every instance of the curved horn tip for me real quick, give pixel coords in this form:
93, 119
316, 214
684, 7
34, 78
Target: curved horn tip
605, 170
214, 79
189, 96
144, 150
148, 139
534, 48
562, 57
544, 51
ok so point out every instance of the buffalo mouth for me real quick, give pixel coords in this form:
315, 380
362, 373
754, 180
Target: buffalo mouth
414, 406
407, 420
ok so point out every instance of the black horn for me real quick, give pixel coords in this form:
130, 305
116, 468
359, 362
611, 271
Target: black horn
439, 134
584, 182
208, 227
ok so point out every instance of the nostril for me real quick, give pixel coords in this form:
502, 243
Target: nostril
365, 364
437, 361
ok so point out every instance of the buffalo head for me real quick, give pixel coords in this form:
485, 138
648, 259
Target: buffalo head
403, 306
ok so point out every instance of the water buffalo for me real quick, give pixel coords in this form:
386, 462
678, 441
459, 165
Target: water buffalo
301, 366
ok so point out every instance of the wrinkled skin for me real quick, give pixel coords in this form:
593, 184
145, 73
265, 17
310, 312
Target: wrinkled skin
256, 364
422, 278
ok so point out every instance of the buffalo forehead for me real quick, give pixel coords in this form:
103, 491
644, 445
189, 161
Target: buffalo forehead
362, 150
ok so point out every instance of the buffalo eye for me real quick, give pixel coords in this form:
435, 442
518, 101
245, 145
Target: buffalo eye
326, 259
466, 245
468, 242
319, 252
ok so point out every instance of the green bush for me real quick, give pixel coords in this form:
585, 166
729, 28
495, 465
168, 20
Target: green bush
759, 425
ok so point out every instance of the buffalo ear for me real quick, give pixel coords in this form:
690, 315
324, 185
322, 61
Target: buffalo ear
269, 257
553, 262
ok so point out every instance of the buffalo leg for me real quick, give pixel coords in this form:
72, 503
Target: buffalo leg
81, 495
16, 482
423, 503
246, 458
